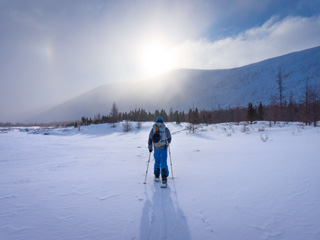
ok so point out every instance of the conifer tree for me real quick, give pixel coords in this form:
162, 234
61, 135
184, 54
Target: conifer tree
171, 115
176, 117
251, 113
260, 112
196, 119
114, 115
156, 113
164, 115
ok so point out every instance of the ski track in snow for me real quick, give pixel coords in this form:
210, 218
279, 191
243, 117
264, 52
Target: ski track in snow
230, 182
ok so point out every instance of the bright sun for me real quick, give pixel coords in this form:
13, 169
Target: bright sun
156, 59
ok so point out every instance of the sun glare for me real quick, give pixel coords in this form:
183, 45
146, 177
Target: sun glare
156, 59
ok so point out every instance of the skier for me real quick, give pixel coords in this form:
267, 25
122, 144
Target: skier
160, 138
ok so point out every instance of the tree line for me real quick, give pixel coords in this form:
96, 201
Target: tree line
307, 112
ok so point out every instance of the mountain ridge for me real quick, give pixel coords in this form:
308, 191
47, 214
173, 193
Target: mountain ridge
209, 89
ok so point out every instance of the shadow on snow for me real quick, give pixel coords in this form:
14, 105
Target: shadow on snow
162, 218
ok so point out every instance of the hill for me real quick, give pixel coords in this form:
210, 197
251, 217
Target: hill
206, 89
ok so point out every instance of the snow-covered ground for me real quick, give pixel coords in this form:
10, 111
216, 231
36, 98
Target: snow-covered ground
229, 183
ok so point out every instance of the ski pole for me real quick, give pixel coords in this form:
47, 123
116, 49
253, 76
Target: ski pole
170, 161
147, 169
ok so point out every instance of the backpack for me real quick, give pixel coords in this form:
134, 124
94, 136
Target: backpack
159, 135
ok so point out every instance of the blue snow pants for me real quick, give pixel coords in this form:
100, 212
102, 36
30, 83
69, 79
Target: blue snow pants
160, 157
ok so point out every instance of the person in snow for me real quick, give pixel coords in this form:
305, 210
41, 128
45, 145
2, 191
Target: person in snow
160, 138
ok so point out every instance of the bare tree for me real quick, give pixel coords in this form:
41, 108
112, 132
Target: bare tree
279, 79
290, 110
307, 104
139, 125
314, 96
273, 111
127, 126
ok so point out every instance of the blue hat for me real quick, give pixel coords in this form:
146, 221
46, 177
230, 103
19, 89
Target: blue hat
159, 119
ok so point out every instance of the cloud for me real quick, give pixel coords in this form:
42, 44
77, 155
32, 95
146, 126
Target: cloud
52, 51
274, 38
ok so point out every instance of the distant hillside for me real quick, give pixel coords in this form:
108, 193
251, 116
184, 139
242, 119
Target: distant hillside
206, 89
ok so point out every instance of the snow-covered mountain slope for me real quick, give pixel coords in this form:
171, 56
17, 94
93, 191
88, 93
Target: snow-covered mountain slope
205, 89
261, 183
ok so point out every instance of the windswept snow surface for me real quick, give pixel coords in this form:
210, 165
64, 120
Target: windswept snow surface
230, 182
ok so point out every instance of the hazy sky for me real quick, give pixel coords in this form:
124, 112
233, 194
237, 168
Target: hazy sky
52, 50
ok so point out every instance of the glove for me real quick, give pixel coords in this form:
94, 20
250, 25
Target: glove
150, 150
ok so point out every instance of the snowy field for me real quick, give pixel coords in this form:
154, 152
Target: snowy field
230, 182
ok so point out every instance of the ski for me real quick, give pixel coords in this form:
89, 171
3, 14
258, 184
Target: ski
163, 185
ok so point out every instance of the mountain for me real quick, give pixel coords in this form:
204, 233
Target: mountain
205, 89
